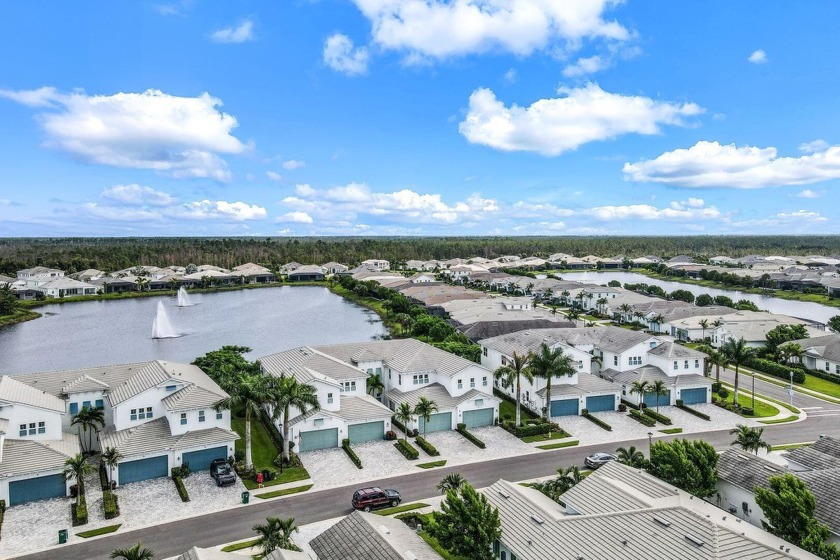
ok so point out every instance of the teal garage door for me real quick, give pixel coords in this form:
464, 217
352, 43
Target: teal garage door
601, 403
200, 460
478, 418
369, 431
566, 407
32, 489
318, 439
664, 399
694, 396
144, 469
437, 423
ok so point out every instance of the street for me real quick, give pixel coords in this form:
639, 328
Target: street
812, 405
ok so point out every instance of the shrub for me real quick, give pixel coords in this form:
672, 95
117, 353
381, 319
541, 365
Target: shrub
182, 472
777, 370
462, 429
238, 456
628, 404
103, 478
407, 450
398, 424
690, 410
415, 432
658, 417
182, 490
272, 430
345, 445
642, 418
110, 505
294, 461
531, 429
534, 421
622, 407
79, 512
747, 411
426, 446
390, 435
716, 387
723, 392
507, 417
596, 421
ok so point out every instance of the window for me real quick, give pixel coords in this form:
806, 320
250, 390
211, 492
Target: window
100, 403
495, 547
420, 379
348, 386
32, 429
484, 351
826, 366
615, 360
399, 379
22, 430
74, 408
635, 360
219, 415
504, 555
484, 382
653, 344
201, 416
837, 369
86, 404
170, 388
676, 365
580, 364
369, 371
379, 371
472, 382
696, 364
686, 364
318, 422
183, 418
460, 384
133, 414
42, 428
479, 402
329, 398
149, 412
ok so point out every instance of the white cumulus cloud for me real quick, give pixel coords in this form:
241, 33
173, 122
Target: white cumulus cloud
235, 34
588, 65
293, 164
214, 209
758, 57
341, 55
813, 146
137, 195
181, 136
808, 193
274, 176
578, 116
295, 218
711, 164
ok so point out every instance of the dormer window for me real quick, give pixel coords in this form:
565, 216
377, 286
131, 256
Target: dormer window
329, 398
676, 365
170, 388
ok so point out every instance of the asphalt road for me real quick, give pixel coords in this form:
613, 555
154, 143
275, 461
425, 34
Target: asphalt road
813, 406
213, 529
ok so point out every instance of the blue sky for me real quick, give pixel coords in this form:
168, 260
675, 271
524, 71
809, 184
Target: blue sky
418, 117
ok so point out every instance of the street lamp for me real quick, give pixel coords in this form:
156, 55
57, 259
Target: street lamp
753, 392
650, 442
790, 391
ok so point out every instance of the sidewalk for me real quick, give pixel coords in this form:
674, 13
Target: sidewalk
783, 411
797, 388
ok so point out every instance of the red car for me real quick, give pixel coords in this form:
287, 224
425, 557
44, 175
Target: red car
367, 499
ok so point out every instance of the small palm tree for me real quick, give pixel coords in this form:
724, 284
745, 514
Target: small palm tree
111, 457
89, 420
512, 374
375, 386
75, 468
704, 324
288, 393
573, 314
749, 439
275, 533
659, 389
424, 409
657, 320
404, 415
736, 352
717, 359
639, 388
136, 552
630, 456
452, 482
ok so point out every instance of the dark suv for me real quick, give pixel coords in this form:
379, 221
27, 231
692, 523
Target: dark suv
222, 473
367, 499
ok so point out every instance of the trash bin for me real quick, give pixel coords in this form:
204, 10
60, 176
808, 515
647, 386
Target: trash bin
246, 496
62, 536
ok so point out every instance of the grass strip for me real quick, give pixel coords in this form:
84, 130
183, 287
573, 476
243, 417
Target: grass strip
402, 508
560, 445
100, 531
290, 474
544, 437
780, 420
789, 446
285, 492
240, 546
671, 431
432, 465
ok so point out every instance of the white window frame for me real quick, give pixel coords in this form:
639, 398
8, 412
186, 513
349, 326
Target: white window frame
201, 417
484, 381
460, 384
183, 418
329, 398
42, 427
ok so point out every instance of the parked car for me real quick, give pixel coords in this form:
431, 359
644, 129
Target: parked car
369, 498
598, 459
222, 472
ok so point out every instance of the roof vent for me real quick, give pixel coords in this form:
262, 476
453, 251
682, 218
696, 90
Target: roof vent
504, 494
663, 522
770, 468
409, 555
539, 520
384, 530
694, 540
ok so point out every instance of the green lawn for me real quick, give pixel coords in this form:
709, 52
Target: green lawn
789, 446
544, 437
240, 546
559, 445
432, 465
100, 531
445, 554
762, 409
672, 431
780, 420
286, 492
507, 407
820, 385
263, 453
809, 380
401, 509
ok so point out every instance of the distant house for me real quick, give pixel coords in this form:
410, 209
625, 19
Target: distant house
377, 264
822, 353
290, 267
250, 273
36, 276
334, 268
88, 275
64, 287
306, 272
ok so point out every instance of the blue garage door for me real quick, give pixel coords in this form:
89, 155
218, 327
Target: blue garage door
369, 431
664, 399
144, 469
600, 403
318, 439
32, 489
566, 407
200, 460
437, 422
694, 396
479, 418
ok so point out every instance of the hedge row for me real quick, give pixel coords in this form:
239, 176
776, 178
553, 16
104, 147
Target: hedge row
822, 374
407, 450
629, 404
462, 429
531, 429
601, 423
275, 434
345, 445
642, 418
79, 512
2, 513
182, 490
110, 504
426, 446
658, 417
398, 424
690, 410
777, 370
103, 478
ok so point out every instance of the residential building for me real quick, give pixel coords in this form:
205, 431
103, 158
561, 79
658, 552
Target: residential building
376, 264
484, 318
34, 277
64, 287
306, 272
821, 353
753, 327
290, 267
196, 553
334, 268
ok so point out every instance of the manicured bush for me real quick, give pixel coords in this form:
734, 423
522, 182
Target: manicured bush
462, 429
345, 445
407, 450
822, 375
79, 512
716, 387
390, 435
272, 430
642, 418
110, 505
182, 490
658, 417
532, 429
398, 424
747, 411
103, 478
601, 423
628, 404
690, 410
723, 392
777, 370
426, 446
622, 407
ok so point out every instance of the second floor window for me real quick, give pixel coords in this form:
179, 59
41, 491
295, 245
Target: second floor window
201, 416
460, 384
348, 386
141, 413
472, 382
686, 364
421, 379
676, 365
635, 360
42, 427
615, 360
484, 382
696, 364
219, 415
183, 418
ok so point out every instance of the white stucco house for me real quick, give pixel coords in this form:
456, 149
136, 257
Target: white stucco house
65, 287
821, 353
34, 277
376, 264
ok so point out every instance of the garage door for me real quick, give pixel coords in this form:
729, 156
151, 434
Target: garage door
144, 469
437, 422
200, 460
369, 431
694, 396
664, 399
318, 439
479, 418
32, 489
601, 403
566, 407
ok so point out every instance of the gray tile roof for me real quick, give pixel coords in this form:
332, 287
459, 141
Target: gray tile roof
280, 554
672, 350
30, 457
363, 407
812, 458
826, 347
745, 470
365, 536
652, 374
192, 397
489, 329
611, 339
306, 363
155, 436
587, 384
827, 445
824, 485
437, 393
196, 553
12, 390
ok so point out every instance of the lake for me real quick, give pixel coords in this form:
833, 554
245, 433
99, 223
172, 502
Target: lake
802, 309
105, 332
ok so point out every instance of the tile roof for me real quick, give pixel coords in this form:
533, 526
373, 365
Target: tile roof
674, 350
611, 339
155, 436
22, 456
307, 363
281, 554
811, 458
437, 393
745, 470
586, 384
192, 397
826, 347
363, 407
12, 390
652, 374
196, 553
489, 329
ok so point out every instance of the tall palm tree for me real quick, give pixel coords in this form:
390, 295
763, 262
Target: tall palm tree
424, 409
630, 456
657, 320
717, 359
75, 468
736, 352
452, 481
601, 303
111, 457
288, 393
749, 439
252, 392
89, 420
375, 386
565, 296
639, 388
625, 309
659, 389
547, 364
275, 533
573, 315
511, 374
136, 552
405, 416
704, 324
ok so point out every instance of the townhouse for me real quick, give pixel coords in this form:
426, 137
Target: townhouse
821, 353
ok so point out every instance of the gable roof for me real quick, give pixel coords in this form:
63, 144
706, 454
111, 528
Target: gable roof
306, 363
611, 339
437, 393
155, 436
14, 391
671, 350
21, 456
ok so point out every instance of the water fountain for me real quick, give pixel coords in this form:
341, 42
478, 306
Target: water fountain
184, 298
162, 327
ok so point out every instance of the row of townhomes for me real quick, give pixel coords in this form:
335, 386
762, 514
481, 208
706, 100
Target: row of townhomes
158, 414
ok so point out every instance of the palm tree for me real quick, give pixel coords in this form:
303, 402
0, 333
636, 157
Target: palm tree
704, 324
659, 389
547, 364
88, 419
625, 309
375, 386
717, 359
136, 552
288, 394
275, 533
75, 468
657, 320
640, 388
749, 439
424, 409
404, 415
251, 391
111, 457
452, 482
573, 315
511, 374
565, 296
736, 352
716, 323
630, 456
601, 302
